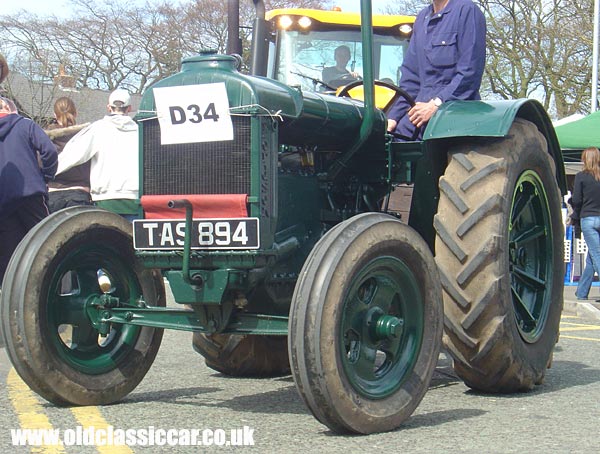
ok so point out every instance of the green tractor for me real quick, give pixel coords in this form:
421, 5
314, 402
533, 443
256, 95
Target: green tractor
265, 205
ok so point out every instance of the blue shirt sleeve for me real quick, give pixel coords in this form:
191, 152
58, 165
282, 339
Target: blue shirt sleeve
471, 56
409, 81
47, 150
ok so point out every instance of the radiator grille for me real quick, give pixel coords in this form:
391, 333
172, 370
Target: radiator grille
197, 168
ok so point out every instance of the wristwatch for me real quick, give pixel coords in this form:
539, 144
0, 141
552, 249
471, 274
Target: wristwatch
437, 101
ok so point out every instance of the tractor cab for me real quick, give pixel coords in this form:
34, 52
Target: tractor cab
303, 46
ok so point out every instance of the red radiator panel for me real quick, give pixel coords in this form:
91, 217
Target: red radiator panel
212, 206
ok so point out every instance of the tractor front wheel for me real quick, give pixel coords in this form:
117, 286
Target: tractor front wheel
51, 280
365, 325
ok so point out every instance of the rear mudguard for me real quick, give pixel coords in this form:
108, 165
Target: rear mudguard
494, 119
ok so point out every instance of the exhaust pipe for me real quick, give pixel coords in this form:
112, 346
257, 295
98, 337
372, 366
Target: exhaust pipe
234, 43
260, 41
366, 127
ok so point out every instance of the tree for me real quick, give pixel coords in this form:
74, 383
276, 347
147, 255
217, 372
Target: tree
535, 48
112, 44
205, 18
541, 49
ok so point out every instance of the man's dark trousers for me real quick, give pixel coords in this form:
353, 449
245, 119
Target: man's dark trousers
15, 226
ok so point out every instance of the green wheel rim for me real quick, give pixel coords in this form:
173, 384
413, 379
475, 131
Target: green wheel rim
530, 256
68, 326
381, 327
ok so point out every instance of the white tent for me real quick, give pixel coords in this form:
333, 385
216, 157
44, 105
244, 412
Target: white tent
569, 119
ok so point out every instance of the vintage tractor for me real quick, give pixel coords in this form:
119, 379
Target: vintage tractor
265, 206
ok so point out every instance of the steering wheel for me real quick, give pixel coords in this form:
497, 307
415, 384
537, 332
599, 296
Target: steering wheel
398, 92
344, 79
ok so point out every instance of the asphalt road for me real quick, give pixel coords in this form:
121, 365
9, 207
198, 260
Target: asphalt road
180, 393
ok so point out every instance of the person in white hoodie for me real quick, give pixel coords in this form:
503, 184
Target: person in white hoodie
112, 146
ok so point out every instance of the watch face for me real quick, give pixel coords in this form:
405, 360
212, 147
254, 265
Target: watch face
437, 101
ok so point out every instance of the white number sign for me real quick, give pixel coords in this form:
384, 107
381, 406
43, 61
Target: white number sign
193, 113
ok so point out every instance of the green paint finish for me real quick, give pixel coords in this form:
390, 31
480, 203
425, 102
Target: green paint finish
308, 118
211, 286
205, 259
300, 202
188, 320
75, 336
472, 119
155, 317
530, 256
403, 158
494, 119
381, 327
426, 194
245, 323
368, 122
581, 133
354, 168
388, 327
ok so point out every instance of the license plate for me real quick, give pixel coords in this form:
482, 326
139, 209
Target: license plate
169, 234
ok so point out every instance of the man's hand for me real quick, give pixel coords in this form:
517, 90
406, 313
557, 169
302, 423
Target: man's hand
421, 112
391, 125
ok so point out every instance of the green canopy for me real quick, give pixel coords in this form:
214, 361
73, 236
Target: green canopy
580, 134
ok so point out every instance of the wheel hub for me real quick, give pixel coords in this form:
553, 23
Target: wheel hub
388, 327
381, 327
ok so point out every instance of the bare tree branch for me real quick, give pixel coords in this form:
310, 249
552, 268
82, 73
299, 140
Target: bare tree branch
535, 48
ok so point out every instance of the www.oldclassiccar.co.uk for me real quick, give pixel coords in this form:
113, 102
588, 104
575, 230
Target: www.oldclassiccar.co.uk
149, 436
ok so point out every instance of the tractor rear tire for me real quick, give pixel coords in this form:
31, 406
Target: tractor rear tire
244, 355
365, 325
499, 250
49, 336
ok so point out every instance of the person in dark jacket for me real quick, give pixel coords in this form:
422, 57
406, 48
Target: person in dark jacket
71, 188
339, 75
23, 190
586, 210
444, 62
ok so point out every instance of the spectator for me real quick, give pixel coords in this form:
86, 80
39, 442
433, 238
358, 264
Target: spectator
444, 61
111, 144
586, 210
70, 188
339, 75
23, 190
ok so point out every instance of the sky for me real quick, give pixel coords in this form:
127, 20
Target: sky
46, 7
41, 7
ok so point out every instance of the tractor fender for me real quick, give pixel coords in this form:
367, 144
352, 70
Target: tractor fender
494, 119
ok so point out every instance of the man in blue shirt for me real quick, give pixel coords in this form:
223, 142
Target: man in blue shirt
444, 62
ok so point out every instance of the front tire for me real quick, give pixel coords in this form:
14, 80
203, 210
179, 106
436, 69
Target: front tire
365, 325
499, 252
48, 334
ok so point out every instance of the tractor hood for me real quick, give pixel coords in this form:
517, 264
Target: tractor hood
305, 118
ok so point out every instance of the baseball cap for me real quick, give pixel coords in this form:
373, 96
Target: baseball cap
119, 95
